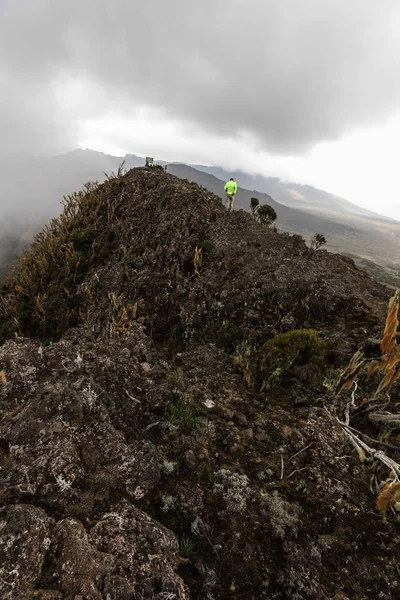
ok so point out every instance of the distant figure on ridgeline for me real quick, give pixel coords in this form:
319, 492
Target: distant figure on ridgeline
149, 162
230, 189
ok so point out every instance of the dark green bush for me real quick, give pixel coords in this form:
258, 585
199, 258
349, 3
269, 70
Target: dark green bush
286, 351
82, 239
298, 353
266, 214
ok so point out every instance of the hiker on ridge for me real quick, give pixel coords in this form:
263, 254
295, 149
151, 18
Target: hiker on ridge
230, 189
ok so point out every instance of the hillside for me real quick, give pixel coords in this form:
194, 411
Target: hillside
289, 219
169, 429
32, 189
366, 238
300, 196
43, 181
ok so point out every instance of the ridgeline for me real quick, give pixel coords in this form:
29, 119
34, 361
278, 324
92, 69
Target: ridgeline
168, 389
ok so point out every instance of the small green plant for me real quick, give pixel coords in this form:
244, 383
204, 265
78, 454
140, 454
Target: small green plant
82, 239
340, 533
302, 487
176, 378
187, 547
206, 472
278, 356
253, 571
184, 415
206, 245
228, 338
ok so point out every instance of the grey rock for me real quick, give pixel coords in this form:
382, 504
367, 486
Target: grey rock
247, 434
190, 460
240, 418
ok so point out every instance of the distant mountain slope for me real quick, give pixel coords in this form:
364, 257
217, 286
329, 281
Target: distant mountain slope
372, 242
289, 219
304, 197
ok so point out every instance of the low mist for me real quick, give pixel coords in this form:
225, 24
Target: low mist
32, 191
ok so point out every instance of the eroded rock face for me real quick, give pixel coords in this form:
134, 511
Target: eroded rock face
81, 567
101, 500
146, 551
25, 538
137, 462
63, 449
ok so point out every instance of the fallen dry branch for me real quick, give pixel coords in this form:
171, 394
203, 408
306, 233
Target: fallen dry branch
370, 439
387, 364
361, 447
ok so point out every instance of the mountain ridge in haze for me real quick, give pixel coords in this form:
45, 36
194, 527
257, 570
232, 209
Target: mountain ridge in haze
297, 195
32, 187
366, 238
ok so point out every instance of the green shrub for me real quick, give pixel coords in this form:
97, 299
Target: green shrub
82, 239
254, 205
187, 547
281, 357
184, 415
266, 214
297, 347
317, 240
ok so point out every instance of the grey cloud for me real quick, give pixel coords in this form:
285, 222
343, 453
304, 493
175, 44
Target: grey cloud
289, 73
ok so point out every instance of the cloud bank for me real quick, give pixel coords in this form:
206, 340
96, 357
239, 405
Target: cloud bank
284, 73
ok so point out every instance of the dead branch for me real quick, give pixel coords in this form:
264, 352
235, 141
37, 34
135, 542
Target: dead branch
377, 454
368, 407
370, 439
300, 451
296, 471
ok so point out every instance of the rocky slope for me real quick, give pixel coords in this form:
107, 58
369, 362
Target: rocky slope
364, 236
168, 424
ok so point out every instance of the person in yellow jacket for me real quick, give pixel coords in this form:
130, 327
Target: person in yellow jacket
230, 189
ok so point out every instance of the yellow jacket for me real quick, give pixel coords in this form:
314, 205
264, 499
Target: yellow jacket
230, 188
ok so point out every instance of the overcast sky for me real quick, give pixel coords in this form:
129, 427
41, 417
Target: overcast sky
308, 90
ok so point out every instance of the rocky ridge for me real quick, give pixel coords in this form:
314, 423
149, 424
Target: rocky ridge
167, 397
